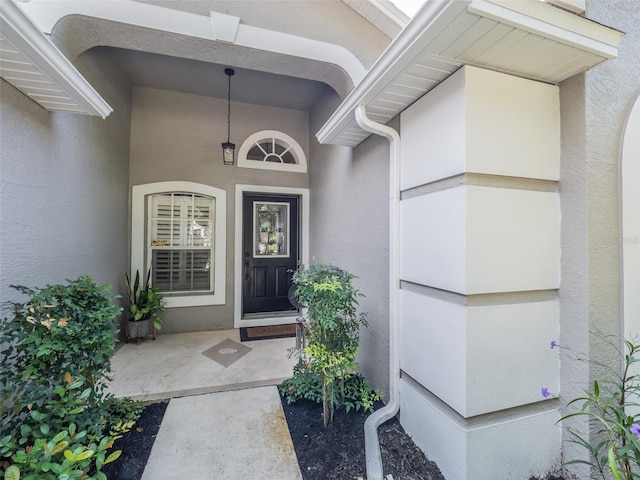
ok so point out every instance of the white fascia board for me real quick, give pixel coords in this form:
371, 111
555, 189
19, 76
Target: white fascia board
553, 23
389, 9
529, 15
576, 6
402, 51
46, 13
28, 38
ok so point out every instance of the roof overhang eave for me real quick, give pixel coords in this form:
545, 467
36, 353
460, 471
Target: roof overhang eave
413, 48
33, 64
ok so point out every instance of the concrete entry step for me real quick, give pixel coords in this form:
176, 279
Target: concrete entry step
187, 364
231, 435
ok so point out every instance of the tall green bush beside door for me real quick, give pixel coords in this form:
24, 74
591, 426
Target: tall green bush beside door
333, 335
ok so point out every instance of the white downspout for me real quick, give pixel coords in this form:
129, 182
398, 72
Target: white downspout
372, 444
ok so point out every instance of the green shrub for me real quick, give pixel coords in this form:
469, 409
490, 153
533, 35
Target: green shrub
55, 365
353, 391
333, 335
357, 394
49, 445
304, 384
59, 330
332, 300
122, 414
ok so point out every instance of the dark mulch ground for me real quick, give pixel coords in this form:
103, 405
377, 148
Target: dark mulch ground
335, 452
136, 445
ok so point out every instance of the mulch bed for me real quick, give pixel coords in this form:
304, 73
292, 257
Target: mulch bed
335, 452
136, 445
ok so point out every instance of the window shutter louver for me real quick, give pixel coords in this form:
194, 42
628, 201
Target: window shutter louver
181, 242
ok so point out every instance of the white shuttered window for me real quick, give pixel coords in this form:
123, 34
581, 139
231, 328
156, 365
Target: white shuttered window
181, 242
178, 231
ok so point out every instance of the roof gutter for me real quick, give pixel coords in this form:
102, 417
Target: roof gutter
447, 34
372, 444
407, 46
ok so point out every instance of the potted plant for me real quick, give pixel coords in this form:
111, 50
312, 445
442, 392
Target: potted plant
145, 305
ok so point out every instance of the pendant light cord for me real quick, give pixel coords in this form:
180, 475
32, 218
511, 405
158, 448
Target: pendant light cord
229, 73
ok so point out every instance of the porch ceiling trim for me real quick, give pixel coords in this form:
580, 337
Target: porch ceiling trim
31, 62
47, 14
527, 38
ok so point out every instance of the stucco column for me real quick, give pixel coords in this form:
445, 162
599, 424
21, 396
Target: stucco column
480, 269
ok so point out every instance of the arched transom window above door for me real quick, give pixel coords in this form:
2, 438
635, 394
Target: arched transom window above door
272, 150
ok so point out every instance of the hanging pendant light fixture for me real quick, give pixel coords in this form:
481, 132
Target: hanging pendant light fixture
228, 147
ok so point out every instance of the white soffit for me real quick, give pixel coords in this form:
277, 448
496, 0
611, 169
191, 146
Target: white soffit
526, 38
382, 13
32, 64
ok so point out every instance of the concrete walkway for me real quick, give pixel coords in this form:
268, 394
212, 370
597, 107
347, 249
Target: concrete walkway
230, 435
224, 419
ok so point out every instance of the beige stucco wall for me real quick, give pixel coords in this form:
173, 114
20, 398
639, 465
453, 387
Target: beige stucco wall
178, 136
64, 178
594, 108
350, 229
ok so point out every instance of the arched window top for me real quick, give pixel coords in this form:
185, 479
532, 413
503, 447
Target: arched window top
272, 150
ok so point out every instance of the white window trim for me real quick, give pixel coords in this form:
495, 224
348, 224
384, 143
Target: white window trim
300, 167
139, 194
303, 209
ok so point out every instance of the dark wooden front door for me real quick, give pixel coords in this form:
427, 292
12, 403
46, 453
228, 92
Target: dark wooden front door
269, 251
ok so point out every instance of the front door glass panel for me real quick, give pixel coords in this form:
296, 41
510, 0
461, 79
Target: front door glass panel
270, 229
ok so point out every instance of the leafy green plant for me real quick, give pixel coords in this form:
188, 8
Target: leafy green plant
121, 414
304, 384
358, 395
333, 333
610, 406
353, 391
333, 366
332, 303
49, 445
59, 330
144, 301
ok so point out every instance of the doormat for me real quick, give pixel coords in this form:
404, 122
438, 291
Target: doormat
269, 332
